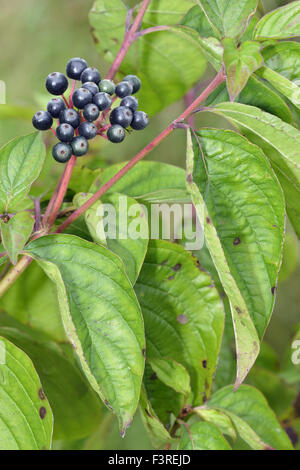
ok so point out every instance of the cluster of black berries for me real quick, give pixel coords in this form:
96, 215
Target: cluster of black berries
80, 119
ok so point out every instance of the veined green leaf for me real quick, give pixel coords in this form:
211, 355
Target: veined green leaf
288, 89
127, 233
183, 314
233, 188
83, 178
218, 419
281, 23
228, 18
202, 436
284, 58
240, 63
15, 234
101, 316
172, 374
21, 161
26, 420
254, 421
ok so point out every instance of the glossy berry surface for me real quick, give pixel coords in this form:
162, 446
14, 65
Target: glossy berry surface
130, 102
92, 87
62, 152
82, 97
80, 146
55, 107
107, 86
56, 83
88, 130
135, 82
69, 116
102, 100
140, 121
91, 112
116, 134
90, 75
75, 67
121, 116
42, 120
65, 132
124, 89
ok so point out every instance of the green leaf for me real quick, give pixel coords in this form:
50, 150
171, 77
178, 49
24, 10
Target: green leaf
287, 88
280, 24
26, 420
76, 407
21, 161
157, 432
101, 316
127, 234
15, 234
183, 314
149, 181
284, 58
172, 374
228, 18
255, 422
83, 178
226, 174
218, 419
280, 142
168, 62
202, 436
240, 63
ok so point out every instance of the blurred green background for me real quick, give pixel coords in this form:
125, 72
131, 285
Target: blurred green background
38, 37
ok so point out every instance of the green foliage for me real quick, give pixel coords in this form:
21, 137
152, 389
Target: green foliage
202, 436
15, 234
282, 23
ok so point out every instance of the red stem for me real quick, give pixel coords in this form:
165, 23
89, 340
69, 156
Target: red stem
212, 86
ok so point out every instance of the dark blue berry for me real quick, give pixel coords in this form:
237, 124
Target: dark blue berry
82, 97
70, 116
42, 120
130, 102
62, 152
135, 82
56, 83
116, 134
91, 112
122, 116
65, 132
55, 106
140, 121
90, 75
107, 86
88, 130
102, 100
80, 146
92, 87
124, 89
75, 67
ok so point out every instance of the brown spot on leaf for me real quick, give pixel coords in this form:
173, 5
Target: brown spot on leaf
236, 241
108, 404
238, 310
177, 267
41, 394
189, 178
5, 218
204, 363
208, 220
171, 278
144, 352
273, 290
183, 319
43, 412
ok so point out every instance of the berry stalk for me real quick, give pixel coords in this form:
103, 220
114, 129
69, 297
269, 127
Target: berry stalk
220, 78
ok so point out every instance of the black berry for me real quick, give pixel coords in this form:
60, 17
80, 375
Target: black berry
92, 87
42, 120
55, 106
91, 112
56, 83
102, 100
122, 116
80, 146
88, 130
124, 89
90, 75
135, 82
75, 67
116, 134
140, 121
107, 86
70, 116
65, 132
62, 152
82, 97
130, 102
